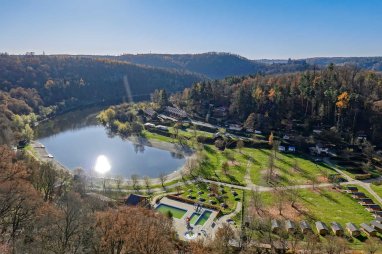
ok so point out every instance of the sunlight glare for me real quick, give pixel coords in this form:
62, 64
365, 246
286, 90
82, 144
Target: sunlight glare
102, 164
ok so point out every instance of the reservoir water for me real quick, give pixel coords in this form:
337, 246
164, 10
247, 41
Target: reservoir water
75, 140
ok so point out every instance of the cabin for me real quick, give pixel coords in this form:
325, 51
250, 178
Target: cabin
377, 225
321, 227
149, 112
149, 125
220, 112
377, 214
275, 226
373, 208
365, 201
337, 229
235, 127
368, 230
176, 112
136, 200
351, 189
352, 229
281, 148
290, 227
305, 227
358, 195
378, 219
161, 127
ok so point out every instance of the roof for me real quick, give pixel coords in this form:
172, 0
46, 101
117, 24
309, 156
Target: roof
176, 111
149, 111
376, 224
305, 225
275, 224
135, 199
352, 188
351, 227
321, 225
367, 228
336, 227
289, 224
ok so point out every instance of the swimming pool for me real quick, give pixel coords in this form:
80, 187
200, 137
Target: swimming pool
176, 212
194, 218
203, 218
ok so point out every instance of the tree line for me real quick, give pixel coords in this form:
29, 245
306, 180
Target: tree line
343, 97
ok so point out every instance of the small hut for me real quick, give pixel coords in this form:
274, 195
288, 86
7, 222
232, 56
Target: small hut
275, 226
305, 227
351, 189
368, 230
377, 225
365, 201
321, 227
337, 229
290, 227
373, 208
358, 195
352, 229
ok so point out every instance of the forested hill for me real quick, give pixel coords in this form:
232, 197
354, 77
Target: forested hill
370, 63
212, 65
87, 80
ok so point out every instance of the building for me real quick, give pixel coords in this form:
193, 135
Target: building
321, 227
368, 230
275, 226
305, 227
351, 189
376, 225
358, 195
337, 229
136, 200
352, 229
175, 112
290, 227
149, 112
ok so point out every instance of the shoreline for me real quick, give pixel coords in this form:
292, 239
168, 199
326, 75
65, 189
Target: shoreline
187, 152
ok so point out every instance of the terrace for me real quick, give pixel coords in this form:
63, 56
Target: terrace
190, 221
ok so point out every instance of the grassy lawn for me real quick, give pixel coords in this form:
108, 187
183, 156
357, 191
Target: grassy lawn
322, 204
285, 167
212, 168
377, 189
228, 197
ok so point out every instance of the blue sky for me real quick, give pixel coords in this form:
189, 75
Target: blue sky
254, 29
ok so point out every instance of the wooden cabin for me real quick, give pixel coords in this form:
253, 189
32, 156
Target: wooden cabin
377, 225
321, 227
368, 230
365, 201
373, 208
352, 229
305, 227
337, 229
358, 195
351, 189
290, 227
275, 226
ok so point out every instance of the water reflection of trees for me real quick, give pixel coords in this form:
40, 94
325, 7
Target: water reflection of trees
176, 155
68, 121
139, 148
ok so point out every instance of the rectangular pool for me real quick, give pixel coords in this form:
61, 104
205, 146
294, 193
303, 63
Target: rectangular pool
194, 218
176, 212
203, 218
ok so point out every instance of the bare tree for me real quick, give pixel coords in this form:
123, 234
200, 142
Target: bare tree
118, 182
240, 145
372, 245
279, 194
147, 183
256, 200
135, 182
225, 168
162, 178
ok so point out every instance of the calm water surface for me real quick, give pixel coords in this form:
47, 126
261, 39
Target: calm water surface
80, 144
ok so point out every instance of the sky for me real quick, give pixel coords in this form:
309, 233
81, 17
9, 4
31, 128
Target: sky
256, 29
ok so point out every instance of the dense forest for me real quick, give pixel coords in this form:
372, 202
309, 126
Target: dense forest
213, 65
344, 98
221, 65
65, 78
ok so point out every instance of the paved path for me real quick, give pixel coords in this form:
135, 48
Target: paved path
365, 184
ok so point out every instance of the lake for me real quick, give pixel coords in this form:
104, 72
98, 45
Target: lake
75, 140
